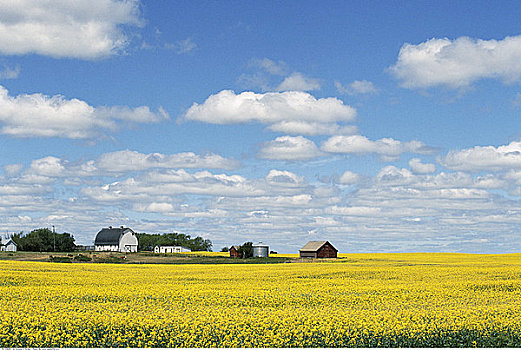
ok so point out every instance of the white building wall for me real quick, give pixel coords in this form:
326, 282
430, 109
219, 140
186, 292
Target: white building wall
106, 248
10, 247
128, 242
170, 249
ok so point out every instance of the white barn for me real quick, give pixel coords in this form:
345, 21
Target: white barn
112, 239
9, 246
170, 249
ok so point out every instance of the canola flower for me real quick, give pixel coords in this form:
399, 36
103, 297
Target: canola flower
360, 300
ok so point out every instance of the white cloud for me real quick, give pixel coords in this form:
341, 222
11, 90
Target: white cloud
457, 63
312, 128
226, 107
481, 158
126, 161
387, 148
165, 185
38, 115
155, 207
116, 164
22, 189
77, 29
289, 148
12, 170
48, 166
396, 208
298, 82
357, 87
349, 178
284, 178
353, 211
421, 168
393, 176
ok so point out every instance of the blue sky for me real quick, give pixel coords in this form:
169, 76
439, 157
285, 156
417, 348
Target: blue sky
379, 126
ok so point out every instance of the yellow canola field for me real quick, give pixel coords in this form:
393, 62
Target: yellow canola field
359, 300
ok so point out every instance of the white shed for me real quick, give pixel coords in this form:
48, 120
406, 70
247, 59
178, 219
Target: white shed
120, 239
9, 246
170, 249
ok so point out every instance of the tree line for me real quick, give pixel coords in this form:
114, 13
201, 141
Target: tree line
45, 240
148, 241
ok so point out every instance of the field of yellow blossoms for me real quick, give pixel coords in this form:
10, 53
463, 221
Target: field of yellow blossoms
360, 300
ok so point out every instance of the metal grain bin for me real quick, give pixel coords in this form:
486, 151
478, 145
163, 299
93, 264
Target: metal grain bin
260, 250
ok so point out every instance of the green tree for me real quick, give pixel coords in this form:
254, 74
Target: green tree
44, 240
246, 250
149, 241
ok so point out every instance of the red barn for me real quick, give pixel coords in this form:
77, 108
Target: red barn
234, 251
318, 249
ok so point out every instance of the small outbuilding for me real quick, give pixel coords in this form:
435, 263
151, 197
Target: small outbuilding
9, 246
111, 239
234, 251
318, 249
260, 250
170, 249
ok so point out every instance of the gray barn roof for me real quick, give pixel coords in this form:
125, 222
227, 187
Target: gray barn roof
110, 235
10, 242
313, 246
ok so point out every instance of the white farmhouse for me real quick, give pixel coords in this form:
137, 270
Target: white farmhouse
9, 246
170, 249
112, 239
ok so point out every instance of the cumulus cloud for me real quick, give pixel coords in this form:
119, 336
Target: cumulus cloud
284, 178
298, 82
421, 168
48, 166
125, 161
13, 169
393, 176
226, 107
38, 115
289, 148
481, 158
119, 162
457, 63
77, 29
357, 87
353, 211
387, 148
162, 187
349, 178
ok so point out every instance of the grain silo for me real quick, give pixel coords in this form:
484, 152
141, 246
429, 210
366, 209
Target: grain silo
260, 250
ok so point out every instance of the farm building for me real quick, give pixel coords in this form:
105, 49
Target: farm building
9, 246
318, 249
234, 251
260, 250
112, 239
170, 249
